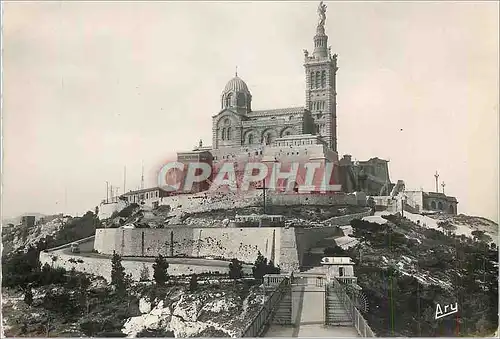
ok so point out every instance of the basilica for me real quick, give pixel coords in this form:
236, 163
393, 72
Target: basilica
295, 134
307, 133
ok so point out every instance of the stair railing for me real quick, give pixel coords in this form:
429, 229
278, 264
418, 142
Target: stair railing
263, 317
358, 321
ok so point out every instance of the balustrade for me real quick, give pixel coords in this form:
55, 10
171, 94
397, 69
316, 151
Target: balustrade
259, 322
358, 321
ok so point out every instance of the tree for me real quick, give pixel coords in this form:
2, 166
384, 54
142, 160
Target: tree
235, 269
28, 296
259, 267
271, 269
144, 273
193, 283
160, 267
117, 272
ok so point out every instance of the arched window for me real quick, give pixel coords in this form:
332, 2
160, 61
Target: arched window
312, 80
440, 205
433, 205
452, 210
241, 100
323, 79
228, 100
228, 136
223, 137
250, 139
317, 80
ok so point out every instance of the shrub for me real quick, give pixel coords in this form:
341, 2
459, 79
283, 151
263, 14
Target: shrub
28, 296
144, 273
193, 283
160, 267
235, 269
128, 211
117, 273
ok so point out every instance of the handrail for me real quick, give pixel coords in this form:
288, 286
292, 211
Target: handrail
359, 322
256, 327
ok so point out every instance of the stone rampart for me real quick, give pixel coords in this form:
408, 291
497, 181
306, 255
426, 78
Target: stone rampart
241, 243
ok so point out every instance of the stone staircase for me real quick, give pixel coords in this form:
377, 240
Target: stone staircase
336, 314
283, 313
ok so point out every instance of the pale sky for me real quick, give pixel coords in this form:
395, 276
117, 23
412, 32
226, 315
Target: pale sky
92, 87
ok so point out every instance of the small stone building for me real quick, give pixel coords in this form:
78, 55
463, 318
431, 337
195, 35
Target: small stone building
338, 267
431, 202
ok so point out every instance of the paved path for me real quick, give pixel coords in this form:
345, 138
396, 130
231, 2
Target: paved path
308, 312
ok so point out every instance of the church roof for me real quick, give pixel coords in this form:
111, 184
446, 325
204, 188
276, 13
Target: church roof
236, 85
276, 112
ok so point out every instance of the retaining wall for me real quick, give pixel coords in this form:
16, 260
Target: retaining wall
285, 246
241, 243
102, 266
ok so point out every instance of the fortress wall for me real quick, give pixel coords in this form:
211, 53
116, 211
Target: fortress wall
144, 241
107, 240
102, 266
228, 243
294, 199
241, 243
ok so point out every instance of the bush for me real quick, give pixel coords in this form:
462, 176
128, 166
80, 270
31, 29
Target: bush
235, 269
128, 211
160, 267
117, 273
193, 283
144, 273
28, 296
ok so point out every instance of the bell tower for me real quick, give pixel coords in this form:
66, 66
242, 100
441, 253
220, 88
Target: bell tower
321, 69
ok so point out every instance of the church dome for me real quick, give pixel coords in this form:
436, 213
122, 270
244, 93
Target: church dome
236, 96
236, 85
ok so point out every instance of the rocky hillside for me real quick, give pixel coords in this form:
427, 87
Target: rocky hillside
406, 268
469, 226
145, 217
48, 231
72, 304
